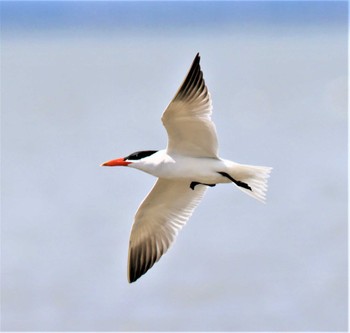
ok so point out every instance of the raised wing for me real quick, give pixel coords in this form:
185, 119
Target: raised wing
187, 118
161, 215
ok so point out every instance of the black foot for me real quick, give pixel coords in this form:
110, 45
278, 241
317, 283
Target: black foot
194, 184
237, 182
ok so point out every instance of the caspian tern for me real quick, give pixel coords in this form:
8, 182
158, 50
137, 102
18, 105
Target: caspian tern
185, 169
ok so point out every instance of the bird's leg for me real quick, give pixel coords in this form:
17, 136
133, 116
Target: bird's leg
194, 184
237, 182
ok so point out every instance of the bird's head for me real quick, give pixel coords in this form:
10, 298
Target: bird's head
132, 158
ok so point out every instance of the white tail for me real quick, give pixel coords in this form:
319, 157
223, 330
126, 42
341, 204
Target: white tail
254, 176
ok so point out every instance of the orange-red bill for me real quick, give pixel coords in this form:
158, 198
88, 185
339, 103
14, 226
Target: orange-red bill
116, 162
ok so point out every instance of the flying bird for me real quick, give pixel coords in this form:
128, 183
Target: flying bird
185, 169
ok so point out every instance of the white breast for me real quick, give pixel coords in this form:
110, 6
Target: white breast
163, 165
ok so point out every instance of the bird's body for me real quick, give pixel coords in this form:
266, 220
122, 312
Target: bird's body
204, 170
175, 166
185, 169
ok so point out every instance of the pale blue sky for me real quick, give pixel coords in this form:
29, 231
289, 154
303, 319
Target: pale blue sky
168, 15
84, 82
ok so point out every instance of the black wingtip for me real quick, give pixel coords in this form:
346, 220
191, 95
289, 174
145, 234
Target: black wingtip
197, 58
140, 262
132, 276
131, 280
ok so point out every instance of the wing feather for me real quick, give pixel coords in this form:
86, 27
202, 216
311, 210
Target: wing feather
158, 220
187, 118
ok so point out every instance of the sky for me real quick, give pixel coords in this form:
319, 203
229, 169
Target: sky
85, 82
168, 15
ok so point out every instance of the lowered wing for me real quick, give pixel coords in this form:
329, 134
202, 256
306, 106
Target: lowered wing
158, 220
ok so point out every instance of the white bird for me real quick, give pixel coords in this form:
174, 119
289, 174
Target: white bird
185, 169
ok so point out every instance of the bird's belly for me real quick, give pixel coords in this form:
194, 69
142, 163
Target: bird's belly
203, 170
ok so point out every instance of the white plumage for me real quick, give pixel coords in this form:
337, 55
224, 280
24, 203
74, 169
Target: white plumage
187, 120
185, 169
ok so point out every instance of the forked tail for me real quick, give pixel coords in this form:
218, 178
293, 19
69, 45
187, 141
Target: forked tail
252, 180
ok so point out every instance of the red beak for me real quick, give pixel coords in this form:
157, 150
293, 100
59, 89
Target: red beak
117, 162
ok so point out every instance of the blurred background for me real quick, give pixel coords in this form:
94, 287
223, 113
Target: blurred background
85, 82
